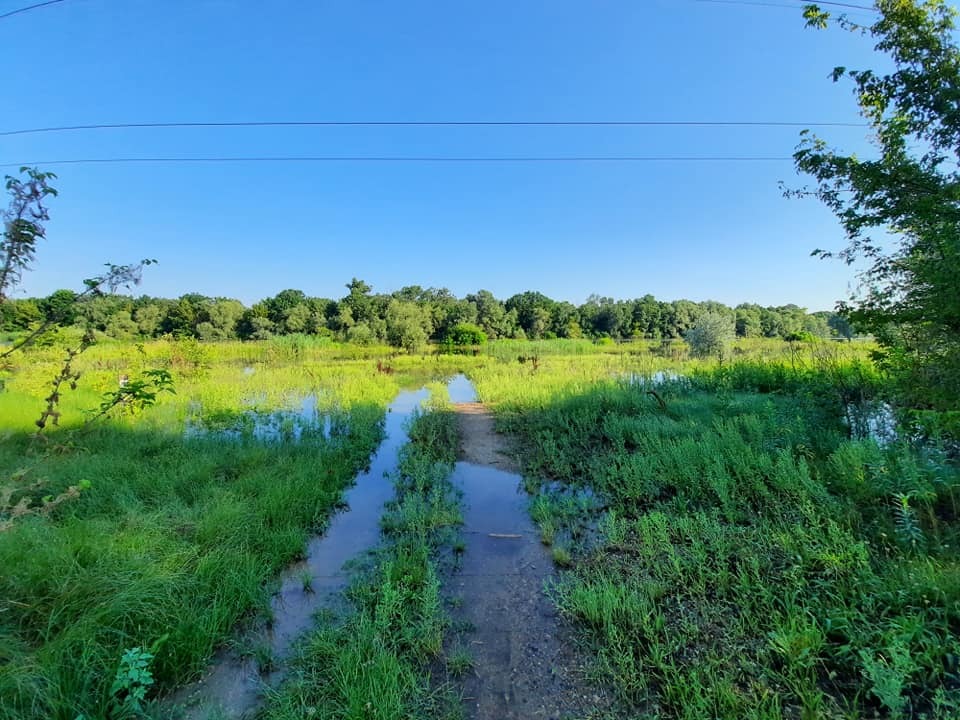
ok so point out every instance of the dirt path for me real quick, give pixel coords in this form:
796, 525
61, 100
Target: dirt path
480, 444
524, 662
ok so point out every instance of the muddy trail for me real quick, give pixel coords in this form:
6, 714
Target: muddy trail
525, 662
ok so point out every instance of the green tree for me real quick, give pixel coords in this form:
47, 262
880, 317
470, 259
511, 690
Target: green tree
280, 306
60, 307
466, 334
909, 190
358, 300
492, 315
149, 318
532, 311
121, 326
408, 325
223, 315
20, 314
748, 320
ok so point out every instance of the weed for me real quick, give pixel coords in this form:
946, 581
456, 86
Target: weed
132, 682
459, 661
561, 556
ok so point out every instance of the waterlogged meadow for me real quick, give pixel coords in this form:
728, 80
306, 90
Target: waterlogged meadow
733, 552
184, 513
733, 542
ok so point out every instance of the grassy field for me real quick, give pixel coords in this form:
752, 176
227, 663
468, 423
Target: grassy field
730, 550
181, 533
733, 553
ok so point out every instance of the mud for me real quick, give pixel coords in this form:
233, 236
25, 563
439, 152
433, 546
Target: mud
525, 662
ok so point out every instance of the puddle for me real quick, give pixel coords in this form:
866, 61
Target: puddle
248, 370
874, 420
232, 688
524, 662
461, 389
277, 426
660, 377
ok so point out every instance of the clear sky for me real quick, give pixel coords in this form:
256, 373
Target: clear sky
697, 230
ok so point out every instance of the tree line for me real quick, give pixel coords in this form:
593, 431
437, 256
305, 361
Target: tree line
407, 318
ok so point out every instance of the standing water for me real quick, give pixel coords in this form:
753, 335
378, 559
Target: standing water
461, 390
521, 666
232, 687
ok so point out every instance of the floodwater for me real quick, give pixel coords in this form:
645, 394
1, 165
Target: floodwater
660, 377
294, 424
874, 420
461, 390
232, 687
524, 665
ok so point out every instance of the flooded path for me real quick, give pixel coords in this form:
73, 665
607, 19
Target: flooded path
232, 687
524, 662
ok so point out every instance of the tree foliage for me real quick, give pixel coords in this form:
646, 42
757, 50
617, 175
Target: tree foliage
900, 208
23, 224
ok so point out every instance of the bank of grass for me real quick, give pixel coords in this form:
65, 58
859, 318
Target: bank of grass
375, 661
737, 554
180, 536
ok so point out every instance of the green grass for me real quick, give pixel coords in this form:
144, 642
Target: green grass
459, 661
737, 555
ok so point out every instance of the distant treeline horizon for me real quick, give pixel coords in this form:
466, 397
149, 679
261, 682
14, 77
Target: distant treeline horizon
407, 317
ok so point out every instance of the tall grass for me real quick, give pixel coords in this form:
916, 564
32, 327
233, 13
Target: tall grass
180, 536
744, 557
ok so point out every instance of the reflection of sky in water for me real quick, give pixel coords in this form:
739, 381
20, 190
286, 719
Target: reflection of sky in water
461, 389
660, 377
306, 421
873, 420
229, 684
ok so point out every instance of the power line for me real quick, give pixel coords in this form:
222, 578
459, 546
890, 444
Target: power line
754, 3
404, 159
792, 7
29, 7
423, 123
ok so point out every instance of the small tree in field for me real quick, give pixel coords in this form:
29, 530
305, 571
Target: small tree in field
408, 325
710, 335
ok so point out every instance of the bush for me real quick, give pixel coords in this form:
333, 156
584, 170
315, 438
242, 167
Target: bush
465, 334
710, 335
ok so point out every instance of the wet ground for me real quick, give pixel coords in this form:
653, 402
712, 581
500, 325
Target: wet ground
525, 664
232, 685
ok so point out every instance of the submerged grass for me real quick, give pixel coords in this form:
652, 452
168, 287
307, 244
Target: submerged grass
735, 554
375, 662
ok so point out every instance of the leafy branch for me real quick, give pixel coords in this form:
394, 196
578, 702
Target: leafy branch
135, 395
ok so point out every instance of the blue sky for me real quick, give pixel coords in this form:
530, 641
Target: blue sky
694, 230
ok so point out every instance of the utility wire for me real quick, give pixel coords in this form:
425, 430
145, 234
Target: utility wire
784, 5
423, 123
404, 159
29, 7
